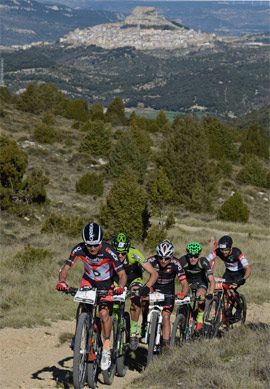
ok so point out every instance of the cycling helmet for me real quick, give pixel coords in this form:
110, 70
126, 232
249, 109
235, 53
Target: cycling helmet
92, 234
165, 249
225, 242
121, 242
194, 248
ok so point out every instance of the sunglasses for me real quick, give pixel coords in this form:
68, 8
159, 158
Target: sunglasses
122, 253
193, 255
163, 258
92, 246
224, 250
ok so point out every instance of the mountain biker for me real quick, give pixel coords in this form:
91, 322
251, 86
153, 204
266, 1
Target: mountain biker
237, 269
198, 273
168, 267
100, 260
134, 265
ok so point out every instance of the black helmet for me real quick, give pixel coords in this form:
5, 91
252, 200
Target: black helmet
92, 234
225, 242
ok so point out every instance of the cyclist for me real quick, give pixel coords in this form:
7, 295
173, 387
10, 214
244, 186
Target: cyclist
198, 273
168, 267
134, 265
237, 269
100, 260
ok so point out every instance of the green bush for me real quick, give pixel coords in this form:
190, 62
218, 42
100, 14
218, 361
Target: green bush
234, 209
78, 110
170, 221
45, 134
253, 172
91, 184
116, 112
30, 256
97, 141
70, 226
34, 187
48, 118
154, 237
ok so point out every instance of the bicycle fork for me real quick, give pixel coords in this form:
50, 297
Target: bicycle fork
157, 309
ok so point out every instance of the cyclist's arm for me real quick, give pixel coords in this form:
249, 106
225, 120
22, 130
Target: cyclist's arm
63, 273
185, 286
153, 274
247, 272
212, 281
122, 278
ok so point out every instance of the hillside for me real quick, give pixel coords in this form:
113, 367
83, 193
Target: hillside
25, 21
225, 81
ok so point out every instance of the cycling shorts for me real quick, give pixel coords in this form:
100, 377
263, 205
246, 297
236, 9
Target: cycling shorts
232, 276
198, 285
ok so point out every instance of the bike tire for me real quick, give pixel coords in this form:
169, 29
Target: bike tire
80, 358
121, 361
243, 303
153, 329
212, 318
178, 330
108, 375
93, 365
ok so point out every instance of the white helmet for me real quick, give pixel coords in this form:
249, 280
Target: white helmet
165, 249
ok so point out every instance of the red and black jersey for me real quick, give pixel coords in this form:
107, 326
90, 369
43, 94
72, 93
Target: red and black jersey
166, 275
99, 267
235, 261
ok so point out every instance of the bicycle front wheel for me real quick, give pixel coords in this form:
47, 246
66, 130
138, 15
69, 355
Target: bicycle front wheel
152, 338
178, 330
243, 303
212, 318
121, 361
80, 358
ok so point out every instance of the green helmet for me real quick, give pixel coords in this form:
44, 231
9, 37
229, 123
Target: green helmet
121, 242
194, 248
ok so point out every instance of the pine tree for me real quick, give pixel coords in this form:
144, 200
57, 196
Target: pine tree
116, 112
126, 208
185, 161
255, 142
234, 209
97, 141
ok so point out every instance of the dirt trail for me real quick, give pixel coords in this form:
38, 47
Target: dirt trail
34, 359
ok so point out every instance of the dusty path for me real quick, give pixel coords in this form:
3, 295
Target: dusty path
34, 359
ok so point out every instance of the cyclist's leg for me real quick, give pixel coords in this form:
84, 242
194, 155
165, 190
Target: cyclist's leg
232, 276
201, 292
168, 306
135, 310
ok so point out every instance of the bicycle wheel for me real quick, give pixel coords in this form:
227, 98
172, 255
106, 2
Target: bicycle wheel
178, 330
243, 303
80, 358
152, 337
93, 360
121, 361
108, 375
212, 318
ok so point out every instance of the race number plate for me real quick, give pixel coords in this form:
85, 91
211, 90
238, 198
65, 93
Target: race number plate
219, 283
120, 297
86, 296
156, 296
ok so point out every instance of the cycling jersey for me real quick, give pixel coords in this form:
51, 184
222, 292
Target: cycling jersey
234, 262
99, 267
196, 273
166, 275
133, 265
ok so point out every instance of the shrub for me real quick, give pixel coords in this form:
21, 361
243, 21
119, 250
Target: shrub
45, 134
28, 257
78, 110
255, 142
97, 141
34, 187
116, 112
234, 210
48, 118
254, 173
70, 226
154, 236
170, 221
91, 184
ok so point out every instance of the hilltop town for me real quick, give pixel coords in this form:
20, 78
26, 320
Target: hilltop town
143, 29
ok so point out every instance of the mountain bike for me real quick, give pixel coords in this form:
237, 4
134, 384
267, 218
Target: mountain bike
122, 333
87, 343
223, 308
154, 325
185, 321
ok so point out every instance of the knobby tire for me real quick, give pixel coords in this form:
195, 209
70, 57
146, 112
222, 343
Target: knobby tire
152, 337
212, 318
80, 358
178, 330
108, 375
121, 361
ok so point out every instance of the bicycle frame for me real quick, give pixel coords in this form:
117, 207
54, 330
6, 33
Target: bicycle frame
118, 311
154, 297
